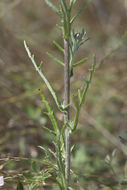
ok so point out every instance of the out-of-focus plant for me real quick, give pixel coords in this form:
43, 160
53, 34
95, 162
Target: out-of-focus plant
120, 181
72, 41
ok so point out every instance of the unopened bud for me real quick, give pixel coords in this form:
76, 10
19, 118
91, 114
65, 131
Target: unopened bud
77, 36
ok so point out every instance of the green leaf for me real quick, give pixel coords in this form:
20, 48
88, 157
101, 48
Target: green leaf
83, 95
33, 186
53, 153
40, 66
75, 123
46, 151
58, 46
59, 27
63, 7
65, 18
20, 186
49, 130
72, 2
107, 159
70, 124
88, 81
59, 181
50, 113
55, 59
52, 6
43, 77
46, 175
70, 188
113, 153
35, 167
81, 10
63, 130
28, 175
82, 61
72, 148
79, 95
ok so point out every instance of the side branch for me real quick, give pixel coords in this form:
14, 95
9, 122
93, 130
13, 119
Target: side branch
43, 77
83, 95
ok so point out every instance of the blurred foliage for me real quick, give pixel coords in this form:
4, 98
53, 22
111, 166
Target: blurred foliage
21, 112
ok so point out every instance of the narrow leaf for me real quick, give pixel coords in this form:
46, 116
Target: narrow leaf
33, 186
70, 188
49, 130
58, 46
52, 6
82, 61
40, 66
46, 151
55, 59
35, 167
79, 95
70, 124
28, 175
113, 153
72, 148
43, 77
59, 27
50, 113
65, 18
81, 10
83, 95
88, 80
63, 129
53, 153
72, 2
63, 6
107, 159
75, 123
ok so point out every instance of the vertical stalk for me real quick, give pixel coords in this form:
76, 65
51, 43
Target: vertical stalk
66, 103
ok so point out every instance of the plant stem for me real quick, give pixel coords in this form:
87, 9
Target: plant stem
66, 103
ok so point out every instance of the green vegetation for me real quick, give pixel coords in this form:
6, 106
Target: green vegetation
36, 125
72, 42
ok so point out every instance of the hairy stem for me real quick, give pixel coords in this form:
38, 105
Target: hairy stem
66, 103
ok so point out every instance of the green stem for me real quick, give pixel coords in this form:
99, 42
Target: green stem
83, 95
43, 77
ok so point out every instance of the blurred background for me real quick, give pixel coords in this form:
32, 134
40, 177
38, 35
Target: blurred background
103, 117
